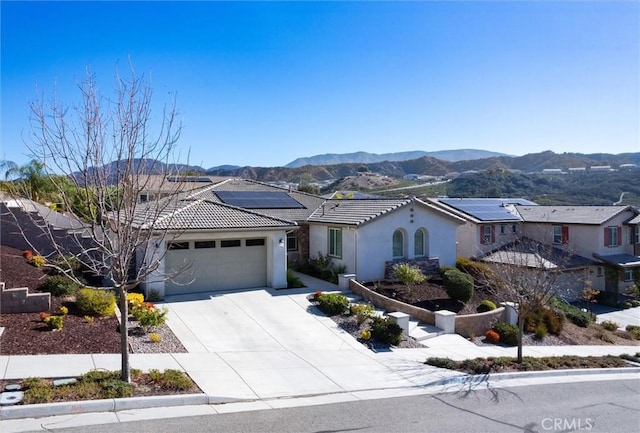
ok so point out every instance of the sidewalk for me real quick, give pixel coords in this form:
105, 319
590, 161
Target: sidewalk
333, 365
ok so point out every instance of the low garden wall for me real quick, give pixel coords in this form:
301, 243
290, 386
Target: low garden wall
21, 301
475, 325
389, 304
466, 325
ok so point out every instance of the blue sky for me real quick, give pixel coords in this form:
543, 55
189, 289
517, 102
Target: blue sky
263, 83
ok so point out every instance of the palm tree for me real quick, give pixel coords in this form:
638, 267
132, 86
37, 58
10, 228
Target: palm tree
30, 179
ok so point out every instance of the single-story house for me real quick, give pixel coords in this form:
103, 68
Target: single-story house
369, 236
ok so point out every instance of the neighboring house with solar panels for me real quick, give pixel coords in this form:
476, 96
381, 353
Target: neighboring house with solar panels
606, 235
491, 223
368, 236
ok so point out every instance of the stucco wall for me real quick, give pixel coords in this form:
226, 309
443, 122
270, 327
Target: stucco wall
475, 325
366, 248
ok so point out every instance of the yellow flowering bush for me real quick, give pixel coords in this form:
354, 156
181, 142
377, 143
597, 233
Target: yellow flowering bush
365, 335
64, 310
38, 261
134, 299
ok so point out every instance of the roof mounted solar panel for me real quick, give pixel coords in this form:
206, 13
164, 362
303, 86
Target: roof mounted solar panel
195, 179
259, 199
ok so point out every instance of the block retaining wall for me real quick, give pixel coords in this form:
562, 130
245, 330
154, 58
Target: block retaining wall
19, 300
466, 325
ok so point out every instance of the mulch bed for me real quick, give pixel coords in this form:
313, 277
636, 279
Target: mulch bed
27, 334
430, 296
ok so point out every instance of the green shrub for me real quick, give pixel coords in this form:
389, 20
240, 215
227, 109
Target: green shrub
573, 313
478, 270
552, 320
116, 389
65, 263
54, 322
96, 302
361, 311
408, 274
59, 285
293, 282
508, 333
541, 331
333, 303
486, 305
154, 296
634, 330
171, 380
610, 325
635, 303
458, 285
442, 363
385, 330
148, 315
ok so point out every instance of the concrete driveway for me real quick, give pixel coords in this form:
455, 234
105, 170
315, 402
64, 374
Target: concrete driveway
266, 343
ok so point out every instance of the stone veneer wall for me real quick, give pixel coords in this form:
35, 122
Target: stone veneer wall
21, 301
428, 266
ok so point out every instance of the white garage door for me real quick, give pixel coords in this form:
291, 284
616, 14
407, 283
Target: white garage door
216, 265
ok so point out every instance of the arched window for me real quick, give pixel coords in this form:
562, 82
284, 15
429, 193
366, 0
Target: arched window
398, 244
418, 243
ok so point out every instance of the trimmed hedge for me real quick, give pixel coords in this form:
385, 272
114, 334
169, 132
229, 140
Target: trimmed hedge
458, 285
508, 333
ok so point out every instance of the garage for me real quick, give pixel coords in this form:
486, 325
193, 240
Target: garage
213, 265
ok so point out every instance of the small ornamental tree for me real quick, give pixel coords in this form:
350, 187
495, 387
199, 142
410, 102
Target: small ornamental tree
98, 155
526, 274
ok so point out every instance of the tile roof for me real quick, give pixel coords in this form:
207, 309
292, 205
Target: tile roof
569, 214
357, 212
207, 215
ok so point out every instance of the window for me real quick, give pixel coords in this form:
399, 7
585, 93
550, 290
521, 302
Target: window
628, 275
292, 242
514, 228
611, 236
230, 243
560, 235
335, 242
599, 274
637, 229
418, 243
487, 234
254, 242
144, 198
503, 229
398, 244
204, 244
178, 246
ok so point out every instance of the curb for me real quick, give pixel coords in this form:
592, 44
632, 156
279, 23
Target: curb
497, 377
130, 403
107, 405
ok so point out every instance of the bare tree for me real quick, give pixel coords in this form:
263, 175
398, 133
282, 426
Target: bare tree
105, 148
527, 274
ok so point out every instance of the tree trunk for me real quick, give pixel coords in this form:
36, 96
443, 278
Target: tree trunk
520, 334
124, 337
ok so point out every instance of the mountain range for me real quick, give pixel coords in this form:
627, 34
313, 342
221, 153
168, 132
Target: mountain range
534, 162
368, 158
